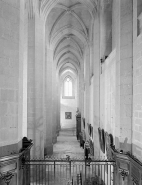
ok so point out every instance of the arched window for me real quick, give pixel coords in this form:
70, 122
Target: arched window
68, 87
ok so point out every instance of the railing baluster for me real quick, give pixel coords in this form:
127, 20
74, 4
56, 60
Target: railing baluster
70, 168
110, 174
45, 174
104, 172
48, 174
54, 172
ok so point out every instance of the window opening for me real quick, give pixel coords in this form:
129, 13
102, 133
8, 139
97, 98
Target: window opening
68, 87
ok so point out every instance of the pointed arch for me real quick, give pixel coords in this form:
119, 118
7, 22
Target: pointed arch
68, 49
72, 61
68, 86
72, 40
65, 30
47, 6
74, 71
67, 11
68, 55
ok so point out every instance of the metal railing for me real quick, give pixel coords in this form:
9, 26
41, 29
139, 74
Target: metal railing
51, 171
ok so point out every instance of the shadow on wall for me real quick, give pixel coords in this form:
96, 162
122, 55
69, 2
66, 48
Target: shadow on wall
132, 148
125, 146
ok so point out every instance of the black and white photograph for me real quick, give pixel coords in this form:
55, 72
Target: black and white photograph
70, 92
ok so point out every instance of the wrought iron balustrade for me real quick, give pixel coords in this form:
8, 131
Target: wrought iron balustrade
52, 171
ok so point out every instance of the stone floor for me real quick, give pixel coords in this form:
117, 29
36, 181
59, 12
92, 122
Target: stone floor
67, 144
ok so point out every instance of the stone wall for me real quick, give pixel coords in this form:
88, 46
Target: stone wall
114, 81
137, 89
68, 105
11, 78
108, 95
96, 86
36, 85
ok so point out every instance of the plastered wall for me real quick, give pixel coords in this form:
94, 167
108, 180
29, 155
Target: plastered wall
68, 105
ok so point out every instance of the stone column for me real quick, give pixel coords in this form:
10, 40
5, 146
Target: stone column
126, 76
35, 84
30, 77
81, 90
54, 104
87, 87
96, 86
137, 82
23, 44
48, 104
58, 106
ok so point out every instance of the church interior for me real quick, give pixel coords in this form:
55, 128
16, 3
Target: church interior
71, 67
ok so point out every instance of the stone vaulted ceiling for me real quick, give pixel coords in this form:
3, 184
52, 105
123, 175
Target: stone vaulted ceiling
68, 30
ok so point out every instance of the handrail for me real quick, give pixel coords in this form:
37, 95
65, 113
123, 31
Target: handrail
15, 156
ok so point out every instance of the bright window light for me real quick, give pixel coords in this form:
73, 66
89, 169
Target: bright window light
68, 87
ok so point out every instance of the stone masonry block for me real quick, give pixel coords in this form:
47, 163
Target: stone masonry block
126, 28
126, 66
135, 82
139, 62
138, 107
3, 134
140, 69
125, 133
2, 81
13, 3
126, 79
140, 129
126, 7
10, 95
128, 111
126, 123
140, 114
136, 72
137, 99
125, 90
140, 79
4, 122
138, 153
136, 128
136, 113
3, 109
12, 133
126, 52
126, 39
10, 13
12, 108
138, 121
137, 136
4, 93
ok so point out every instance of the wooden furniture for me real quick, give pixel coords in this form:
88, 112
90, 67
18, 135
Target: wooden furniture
78, 125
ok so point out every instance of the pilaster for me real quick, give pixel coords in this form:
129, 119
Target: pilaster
36, 61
